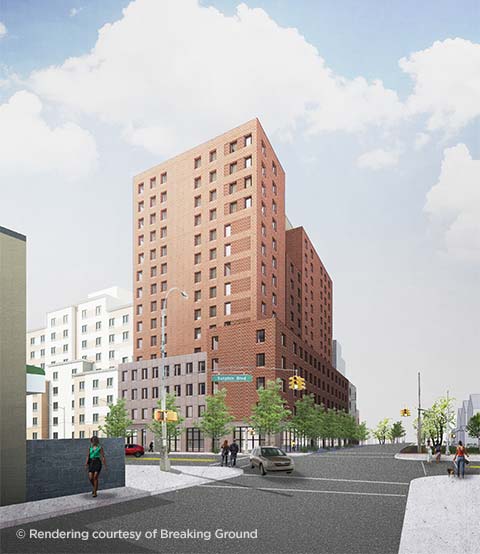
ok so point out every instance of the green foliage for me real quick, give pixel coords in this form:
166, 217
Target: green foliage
382, 431
269, 415
434, 420
473, 427
216, 420
117, 421
307, 421
361, 432
396, 432
174, 428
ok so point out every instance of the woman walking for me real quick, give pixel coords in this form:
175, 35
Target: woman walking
460, 454
94, 463
225, 451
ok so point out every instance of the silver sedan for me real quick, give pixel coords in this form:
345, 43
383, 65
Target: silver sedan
270, 458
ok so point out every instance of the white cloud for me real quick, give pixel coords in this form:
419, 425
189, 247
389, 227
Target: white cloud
29, 146
421, 139
3, 30
75, 11
171, 73
378, 159
454, 203
447, 83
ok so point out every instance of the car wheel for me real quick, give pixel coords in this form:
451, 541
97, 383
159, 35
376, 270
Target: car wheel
137, 454
288, 472
262, 469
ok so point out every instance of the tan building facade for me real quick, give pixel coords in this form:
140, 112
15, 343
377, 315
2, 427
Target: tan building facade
13, 296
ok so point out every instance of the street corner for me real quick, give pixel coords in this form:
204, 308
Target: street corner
442, 516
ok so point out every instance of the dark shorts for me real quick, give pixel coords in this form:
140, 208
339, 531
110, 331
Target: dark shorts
95, 465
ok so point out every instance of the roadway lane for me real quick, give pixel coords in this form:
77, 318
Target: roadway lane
347, 501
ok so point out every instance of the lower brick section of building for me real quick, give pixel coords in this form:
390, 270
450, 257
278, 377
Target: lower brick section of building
265, 349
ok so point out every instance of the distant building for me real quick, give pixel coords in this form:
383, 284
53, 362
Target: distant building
96, 333
467, 410
352, 402
12, 366
337, 361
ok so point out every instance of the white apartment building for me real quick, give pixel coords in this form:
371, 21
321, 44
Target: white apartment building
97, 331
79, 396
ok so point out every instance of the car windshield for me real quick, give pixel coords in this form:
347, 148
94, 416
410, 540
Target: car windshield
269, 452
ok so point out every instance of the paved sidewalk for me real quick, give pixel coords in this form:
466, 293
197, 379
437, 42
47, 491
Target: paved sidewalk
442, 516
141, 481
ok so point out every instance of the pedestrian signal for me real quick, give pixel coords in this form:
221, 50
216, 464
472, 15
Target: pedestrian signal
165, 415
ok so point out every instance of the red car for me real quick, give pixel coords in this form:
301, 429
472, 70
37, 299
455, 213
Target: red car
134, 450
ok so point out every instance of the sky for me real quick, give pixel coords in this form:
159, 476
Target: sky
372, 107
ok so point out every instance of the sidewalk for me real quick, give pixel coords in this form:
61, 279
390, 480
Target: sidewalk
423, 457
442, 516
141, 481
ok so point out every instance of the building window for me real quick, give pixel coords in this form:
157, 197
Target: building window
215, 343
228, 250
213, 311
227, 269
197, 277
198, 220
228, 308
260, 360
189, 389
201, 366
212, 176
233, 207
213, 273
248, 140
197, 201
248, 202
261, 335
197, 162
197, 314
232, 147
213, 214
228, 230
163, 178
260, 383
197, 333
212, 156
189, 367
201, 388
197, 182
212, 195
248, 161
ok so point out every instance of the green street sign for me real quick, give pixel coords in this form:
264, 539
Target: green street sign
232, 378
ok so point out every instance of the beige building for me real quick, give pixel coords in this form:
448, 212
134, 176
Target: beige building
12, 366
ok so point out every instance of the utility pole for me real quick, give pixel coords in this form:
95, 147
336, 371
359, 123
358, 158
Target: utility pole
419, 426
447, 429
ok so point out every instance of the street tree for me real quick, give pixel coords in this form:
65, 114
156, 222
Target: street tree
473, 427
331, 426
307, 419
216, 420
361, 432
117, 421
396, 431
382, 430
174, 428
436, 418
269, 415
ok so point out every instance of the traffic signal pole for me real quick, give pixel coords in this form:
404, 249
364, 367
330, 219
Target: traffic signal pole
419, 426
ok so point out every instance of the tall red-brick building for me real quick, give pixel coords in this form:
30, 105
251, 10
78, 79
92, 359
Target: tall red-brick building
212, 222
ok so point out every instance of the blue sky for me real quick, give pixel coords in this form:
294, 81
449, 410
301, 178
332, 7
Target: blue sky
383, 176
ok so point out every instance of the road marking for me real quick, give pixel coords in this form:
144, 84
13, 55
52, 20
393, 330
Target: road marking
328, 479
475, 467
180, 459
424, 470
301, 490
353, 456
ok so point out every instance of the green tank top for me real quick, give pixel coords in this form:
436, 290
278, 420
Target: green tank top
95, 452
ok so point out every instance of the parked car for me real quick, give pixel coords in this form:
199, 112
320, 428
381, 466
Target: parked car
270, 458
134, 450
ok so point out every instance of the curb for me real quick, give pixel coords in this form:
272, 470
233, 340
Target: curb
102, 503
6, 523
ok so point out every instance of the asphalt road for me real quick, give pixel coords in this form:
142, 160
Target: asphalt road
350, 501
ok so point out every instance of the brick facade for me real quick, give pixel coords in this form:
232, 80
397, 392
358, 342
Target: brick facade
212, 222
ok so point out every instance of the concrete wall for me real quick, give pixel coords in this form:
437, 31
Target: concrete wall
57, 467
12, 366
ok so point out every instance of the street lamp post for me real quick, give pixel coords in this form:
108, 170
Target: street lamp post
164, 461
419, 425
447, 425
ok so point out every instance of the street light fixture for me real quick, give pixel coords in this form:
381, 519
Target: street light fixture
164, 461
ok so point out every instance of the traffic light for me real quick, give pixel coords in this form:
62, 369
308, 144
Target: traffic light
295, 382
167, 415
405, 412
